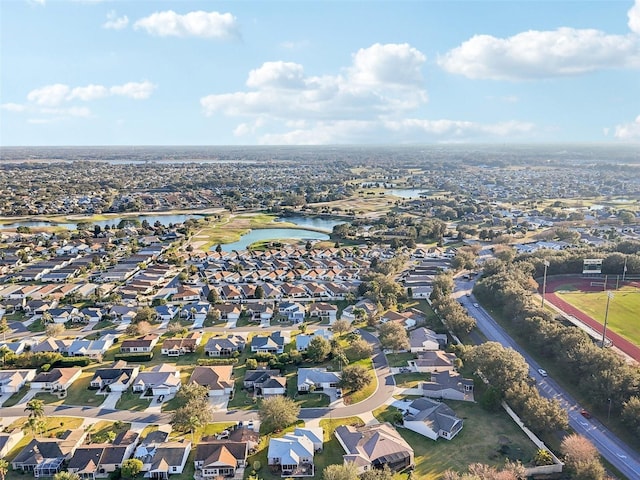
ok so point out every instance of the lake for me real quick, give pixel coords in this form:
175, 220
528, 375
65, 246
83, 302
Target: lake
272, 234
313, 222
406, 192
164, 219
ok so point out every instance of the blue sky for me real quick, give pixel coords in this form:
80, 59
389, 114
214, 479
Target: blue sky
91, 72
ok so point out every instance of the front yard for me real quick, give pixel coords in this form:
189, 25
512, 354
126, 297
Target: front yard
400, 359
494, 437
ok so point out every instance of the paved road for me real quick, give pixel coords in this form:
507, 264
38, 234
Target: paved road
92, 412
386, 387
610, 447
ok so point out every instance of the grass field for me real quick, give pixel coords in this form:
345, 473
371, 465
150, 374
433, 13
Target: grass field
623, 309
494, 437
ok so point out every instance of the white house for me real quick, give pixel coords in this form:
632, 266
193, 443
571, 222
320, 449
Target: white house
432, 419
316, 379
162, 379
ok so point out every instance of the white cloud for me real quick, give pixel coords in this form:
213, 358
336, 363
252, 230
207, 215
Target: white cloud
50, 95
193, 24
277, 75
366, 101
388, 64
634, 17
13, 107
135, 90
292, 45
629, 131
114, 22
542, 54
90, 92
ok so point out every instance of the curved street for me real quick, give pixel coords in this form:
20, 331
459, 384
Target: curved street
610, 447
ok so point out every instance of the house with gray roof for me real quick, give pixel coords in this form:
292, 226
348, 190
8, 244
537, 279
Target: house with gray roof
224, 346
116, 378
45, 456
100, 460
274, 343
11, 381
303, 340
90, 348
433, 361
316, 379
163, 379
448, 385
161, 458
423, 339
374, 446
292, 455
432, 419
264, 382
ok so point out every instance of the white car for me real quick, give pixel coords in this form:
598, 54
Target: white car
542, 372
476, 305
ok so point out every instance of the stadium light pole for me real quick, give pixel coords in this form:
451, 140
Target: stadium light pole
544, 281
606, 316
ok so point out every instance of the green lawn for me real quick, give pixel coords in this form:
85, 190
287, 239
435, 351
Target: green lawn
400, 359
15, 398
53, 425
305, 400
49, 398
411, 380
79, 393
132, 401
484, 436
623, 309
332, 451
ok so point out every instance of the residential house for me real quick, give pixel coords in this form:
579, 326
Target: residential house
174, 347
303, 340
433, 361
292, 455
324, 311
142, 344
432, 419
163, 379
45, 456
315, 434
293, 312
260, 311
216, 459
14, 347
224, 346
100, 460
117, 378
166, 313
265, 382
310, 379
186, 294
196, 311
64, 314
52, 345
374, 446
11, 381
448, 385
56, 380
124, 314
217, 378
423, 339
168, 459
90, 348
274, 343
8, 440
229, 311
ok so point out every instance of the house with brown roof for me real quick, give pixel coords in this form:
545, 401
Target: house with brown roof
219, 458
186, 294
217, 378
174, 347
324, 311
56, 380
142, 344
374, 446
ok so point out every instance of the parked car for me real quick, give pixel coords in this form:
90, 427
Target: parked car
338, 392
160, 398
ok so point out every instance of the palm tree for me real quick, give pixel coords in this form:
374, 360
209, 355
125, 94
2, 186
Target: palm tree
4, 468
47, 318
35, 408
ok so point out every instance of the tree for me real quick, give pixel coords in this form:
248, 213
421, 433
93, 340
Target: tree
35, 408
66, 476
502, 367
318, 349
278, 412
46, 318
340, 326
131, 467
213, 297
4, 328
139, 328
355, 377
383, 473
218, 248
393, 336
361, 348
54, 329
195, 413
631, 413
344, 471
582, 458
259, 292
145, 314
4, 468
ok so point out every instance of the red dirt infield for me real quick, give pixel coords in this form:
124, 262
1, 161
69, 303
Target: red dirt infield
584, 284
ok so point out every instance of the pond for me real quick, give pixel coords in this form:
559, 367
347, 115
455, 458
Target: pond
273, 234
323, 223
164, 219
406, 192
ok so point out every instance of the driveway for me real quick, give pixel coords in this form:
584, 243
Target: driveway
110, 400
219, 403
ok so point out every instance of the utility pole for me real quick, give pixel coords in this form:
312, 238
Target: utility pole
544, 281
609, 412
624, 269
606, 316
